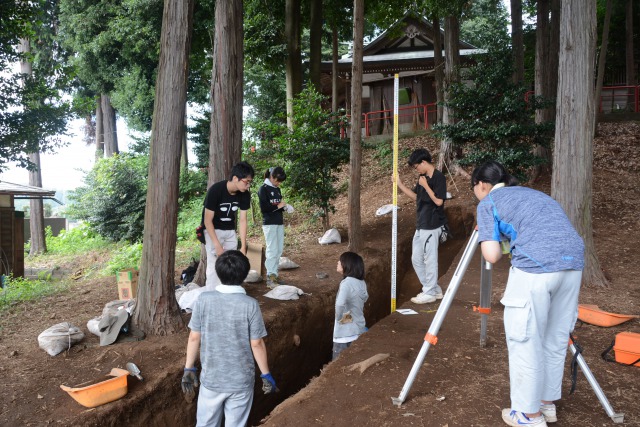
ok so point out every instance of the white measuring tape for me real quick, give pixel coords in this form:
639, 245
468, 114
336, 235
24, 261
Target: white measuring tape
394, 228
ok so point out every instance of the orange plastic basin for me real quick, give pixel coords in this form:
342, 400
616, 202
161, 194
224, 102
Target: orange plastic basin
627, 348
102, 392
592, 314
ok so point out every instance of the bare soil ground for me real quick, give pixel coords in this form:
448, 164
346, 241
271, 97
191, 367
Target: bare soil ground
460, 384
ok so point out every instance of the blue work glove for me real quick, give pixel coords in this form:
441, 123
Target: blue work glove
268, 383
189, 382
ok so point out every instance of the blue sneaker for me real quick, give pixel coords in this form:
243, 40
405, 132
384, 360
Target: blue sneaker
516, 419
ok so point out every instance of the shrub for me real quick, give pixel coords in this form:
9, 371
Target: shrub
78, 240
112, 201
493, 120
126, 256
311, 152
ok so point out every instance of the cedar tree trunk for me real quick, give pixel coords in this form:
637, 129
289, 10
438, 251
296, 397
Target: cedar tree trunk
355, 233
109, 126
157, 310
573, 154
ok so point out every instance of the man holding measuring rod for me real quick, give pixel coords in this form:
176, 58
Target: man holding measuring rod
429, 194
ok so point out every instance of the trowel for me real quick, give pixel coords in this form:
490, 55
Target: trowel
134, 370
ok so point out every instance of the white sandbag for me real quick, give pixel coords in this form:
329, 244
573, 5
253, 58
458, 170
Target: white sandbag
182, 289
285, 292
59, 337
286, 264
253, 277
92, 325
386, 209
188, 299
330, 236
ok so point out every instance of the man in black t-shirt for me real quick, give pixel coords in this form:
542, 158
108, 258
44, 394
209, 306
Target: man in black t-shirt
223, 201
429, 193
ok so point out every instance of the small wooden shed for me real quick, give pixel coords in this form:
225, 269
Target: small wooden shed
12, 225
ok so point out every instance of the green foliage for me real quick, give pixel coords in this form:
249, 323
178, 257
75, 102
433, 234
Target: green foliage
493, 120
483, 20
17, 289
199, 134
193, 185
78, 240
384, 153
32, 113
189, 217
125, 256
310, 153
112, 200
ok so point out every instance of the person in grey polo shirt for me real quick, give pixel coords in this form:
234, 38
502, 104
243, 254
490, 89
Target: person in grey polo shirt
541, 297
227, 331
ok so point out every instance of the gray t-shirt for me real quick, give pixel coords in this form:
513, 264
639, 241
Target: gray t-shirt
227, 323
541, 236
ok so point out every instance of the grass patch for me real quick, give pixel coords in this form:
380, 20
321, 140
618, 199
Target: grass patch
19, 289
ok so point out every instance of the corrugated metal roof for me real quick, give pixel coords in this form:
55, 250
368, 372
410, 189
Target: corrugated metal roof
24, 190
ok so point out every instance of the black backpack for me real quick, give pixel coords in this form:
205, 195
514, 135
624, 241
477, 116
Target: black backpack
189, 273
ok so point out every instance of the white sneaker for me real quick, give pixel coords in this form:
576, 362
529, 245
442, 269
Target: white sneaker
439, 295
549, 412
423, 298
518, 419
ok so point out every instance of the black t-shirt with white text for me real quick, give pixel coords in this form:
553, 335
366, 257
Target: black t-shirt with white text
430, 216
225, 205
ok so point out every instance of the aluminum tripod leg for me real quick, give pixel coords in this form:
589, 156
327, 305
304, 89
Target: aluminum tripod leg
485, 298
439, 316
616, 417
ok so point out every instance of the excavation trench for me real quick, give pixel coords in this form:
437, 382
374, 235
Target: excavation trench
300, 334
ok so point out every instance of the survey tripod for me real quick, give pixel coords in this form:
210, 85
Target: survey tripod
431, 338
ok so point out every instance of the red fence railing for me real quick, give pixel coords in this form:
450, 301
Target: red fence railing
370, 119
614, 99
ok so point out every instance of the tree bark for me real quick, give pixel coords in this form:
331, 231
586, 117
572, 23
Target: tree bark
157, 310
334, 69
631, 78
36, 214
602, 59
184, 152
451, 70
573, 154
517, 41
109, 126
99, 129
293, 64
315, 41
225, 140
541, 87
542, 54
354, 219
439, 65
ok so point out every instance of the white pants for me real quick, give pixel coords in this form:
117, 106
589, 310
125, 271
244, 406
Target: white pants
274, 239
234, 406
424, 257
229, 241
540, 310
